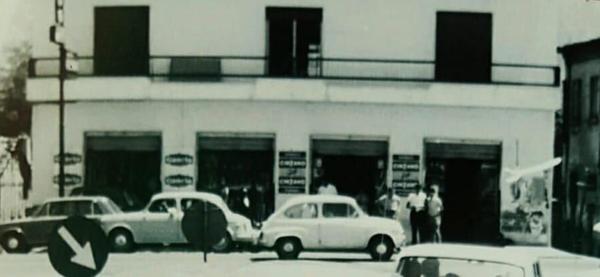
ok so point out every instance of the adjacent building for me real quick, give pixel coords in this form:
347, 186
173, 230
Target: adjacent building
580, 193
268, 99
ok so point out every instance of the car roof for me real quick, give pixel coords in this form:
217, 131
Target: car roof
470, 252
76, 198
320, 198
194, 194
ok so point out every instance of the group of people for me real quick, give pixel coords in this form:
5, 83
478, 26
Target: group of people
425, 208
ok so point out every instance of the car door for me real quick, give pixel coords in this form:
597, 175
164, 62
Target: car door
303, 220
159, 222
39, 228
341, 227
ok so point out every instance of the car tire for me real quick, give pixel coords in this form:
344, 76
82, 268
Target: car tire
121, 240
225, 245
14, 242
288, 248
381, 248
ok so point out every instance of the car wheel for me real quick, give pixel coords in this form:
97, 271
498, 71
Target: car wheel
288, 248
224, 245
381, 248
121, 240
14, 242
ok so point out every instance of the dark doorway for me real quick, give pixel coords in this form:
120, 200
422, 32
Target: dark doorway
293, 34
469, 187
121, 40
355, 168
125, 169
243, 167
463, 47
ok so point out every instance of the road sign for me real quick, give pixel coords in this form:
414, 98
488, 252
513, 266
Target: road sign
204, 225
78, 247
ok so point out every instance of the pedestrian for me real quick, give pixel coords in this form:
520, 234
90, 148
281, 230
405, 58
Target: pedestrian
416, 204
435, 206
327, 188
390, 203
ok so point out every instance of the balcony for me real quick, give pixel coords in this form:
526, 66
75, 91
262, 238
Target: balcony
219, 68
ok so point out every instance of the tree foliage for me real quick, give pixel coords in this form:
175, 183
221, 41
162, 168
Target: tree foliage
15, 111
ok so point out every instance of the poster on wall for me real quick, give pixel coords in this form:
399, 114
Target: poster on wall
405, 173
292, 172
525, 207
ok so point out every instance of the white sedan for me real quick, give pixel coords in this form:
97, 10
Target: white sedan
329, 222
160, 222
456, 260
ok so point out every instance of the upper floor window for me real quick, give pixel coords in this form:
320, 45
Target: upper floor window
463, 50
121, 40
294, 44
594, 104
575, 96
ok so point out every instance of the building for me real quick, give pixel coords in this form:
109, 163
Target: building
278, 96
580, 191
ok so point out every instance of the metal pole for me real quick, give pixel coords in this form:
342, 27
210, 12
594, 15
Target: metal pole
61, 120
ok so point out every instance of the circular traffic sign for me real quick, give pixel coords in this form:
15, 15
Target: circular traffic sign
204, 225
78, 247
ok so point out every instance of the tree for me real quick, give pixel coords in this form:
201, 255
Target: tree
15, 111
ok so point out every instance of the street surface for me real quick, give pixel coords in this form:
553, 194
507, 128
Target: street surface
177, 263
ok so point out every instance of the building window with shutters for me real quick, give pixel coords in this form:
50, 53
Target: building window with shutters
575, 105
594, 104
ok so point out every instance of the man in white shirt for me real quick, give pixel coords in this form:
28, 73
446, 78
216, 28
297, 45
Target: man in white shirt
416, 204
327, 188
390, 203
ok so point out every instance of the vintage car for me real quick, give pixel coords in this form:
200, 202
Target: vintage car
160, 222
329, 222
456, 260
558, 263
20, 235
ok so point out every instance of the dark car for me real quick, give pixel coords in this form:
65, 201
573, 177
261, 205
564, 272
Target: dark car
19, 236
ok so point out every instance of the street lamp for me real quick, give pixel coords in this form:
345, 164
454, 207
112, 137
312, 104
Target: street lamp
57, 37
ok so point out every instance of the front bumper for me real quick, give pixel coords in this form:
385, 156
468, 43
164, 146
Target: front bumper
249, 236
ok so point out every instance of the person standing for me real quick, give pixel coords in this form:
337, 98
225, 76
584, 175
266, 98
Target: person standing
390, 203
416, 204
435, 207
327, 188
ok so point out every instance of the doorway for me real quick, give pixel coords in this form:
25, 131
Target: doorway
123, 168
238, 167
468, 176
356, 168
294, 35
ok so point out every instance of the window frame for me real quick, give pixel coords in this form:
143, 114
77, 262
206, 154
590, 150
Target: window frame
354, 214
300, 205
162, 199
594, 99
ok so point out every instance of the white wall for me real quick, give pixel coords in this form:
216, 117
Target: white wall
523, 31
179, 121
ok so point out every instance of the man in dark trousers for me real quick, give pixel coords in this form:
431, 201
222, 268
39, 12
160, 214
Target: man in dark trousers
416, 204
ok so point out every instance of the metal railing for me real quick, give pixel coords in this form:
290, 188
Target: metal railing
216, 68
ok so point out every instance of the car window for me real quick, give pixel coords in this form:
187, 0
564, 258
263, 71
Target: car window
338, 210
41, 211
304, 210
188, 203
57, 208
80, 208
446, 267
98, 209
161, 205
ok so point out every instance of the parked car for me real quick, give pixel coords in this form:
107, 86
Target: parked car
558, 263
456, 260
160, 222
329, 222
19, 236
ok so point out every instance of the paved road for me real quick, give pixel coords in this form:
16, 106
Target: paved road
181, 263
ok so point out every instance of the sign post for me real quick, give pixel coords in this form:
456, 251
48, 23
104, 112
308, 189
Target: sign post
204, 225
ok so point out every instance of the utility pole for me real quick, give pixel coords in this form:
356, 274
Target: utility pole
56, 36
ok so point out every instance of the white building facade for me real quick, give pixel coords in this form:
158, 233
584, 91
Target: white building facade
275, 97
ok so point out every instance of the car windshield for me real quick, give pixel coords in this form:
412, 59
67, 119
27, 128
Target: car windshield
112, 206
446, 267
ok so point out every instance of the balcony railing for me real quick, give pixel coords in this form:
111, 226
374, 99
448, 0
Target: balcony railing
217, 68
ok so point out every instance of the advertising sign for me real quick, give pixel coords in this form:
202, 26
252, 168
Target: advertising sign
525, 207
179, 180
179, 159
292, 172
405, 173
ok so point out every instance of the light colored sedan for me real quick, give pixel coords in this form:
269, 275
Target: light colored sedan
329, 222
456, 260
23, 234
160, 222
